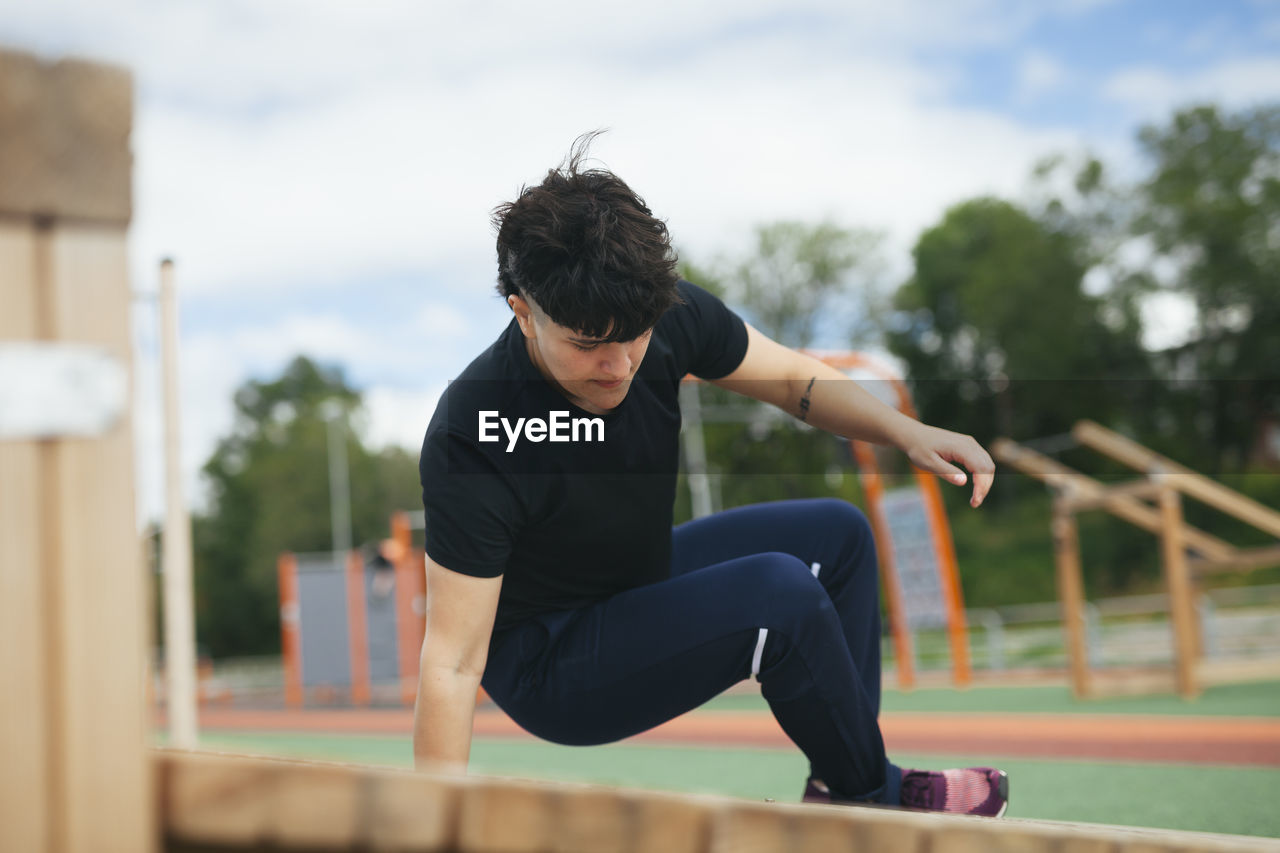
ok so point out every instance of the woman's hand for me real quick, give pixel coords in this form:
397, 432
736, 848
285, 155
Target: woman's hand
933, 449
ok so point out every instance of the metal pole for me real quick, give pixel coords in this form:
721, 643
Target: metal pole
339, 485
695, 450
179, 610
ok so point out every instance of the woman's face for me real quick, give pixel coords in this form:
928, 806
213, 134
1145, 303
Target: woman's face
594, 376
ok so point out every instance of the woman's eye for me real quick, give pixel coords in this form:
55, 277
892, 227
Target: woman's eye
586, 348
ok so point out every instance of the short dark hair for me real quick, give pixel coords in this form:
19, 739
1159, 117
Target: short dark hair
585, 248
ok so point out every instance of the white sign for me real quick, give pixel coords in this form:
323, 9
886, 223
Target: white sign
56, 390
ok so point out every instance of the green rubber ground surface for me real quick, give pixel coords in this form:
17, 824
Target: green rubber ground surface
1173, 796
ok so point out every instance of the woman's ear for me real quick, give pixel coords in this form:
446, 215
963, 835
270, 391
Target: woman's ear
524, 315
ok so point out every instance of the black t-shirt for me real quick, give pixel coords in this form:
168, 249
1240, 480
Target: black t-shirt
569, 521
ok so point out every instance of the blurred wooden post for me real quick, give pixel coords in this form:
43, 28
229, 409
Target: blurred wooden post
73, 590
1066, 552
179, 608
1178, 582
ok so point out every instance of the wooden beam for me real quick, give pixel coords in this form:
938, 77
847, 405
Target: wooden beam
1182, 615
1077, 485
1188, 482
73, 590
1141, 489
530, 817
222, 802
98, 585
1066, 554
26, 808
64, 140
1243, 560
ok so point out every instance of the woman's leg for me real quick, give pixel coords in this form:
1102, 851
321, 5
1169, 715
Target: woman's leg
832, 537
629, 663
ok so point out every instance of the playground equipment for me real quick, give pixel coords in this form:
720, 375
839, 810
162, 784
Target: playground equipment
76, 775
1165, 483
913, 536
354, 625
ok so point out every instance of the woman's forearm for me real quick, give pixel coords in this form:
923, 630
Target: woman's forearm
442, 719
827, 399
837, 404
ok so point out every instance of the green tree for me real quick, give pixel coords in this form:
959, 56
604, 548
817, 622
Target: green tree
269, 485
799, 273
997, 332
799, 281
1211, 205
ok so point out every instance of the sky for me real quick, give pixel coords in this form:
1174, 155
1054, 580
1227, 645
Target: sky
322, 172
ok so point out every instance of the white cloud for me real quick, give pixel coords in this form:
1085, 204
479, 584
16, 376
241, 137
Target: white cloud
439, 320
1039, 74
396, 417
1153, 92
1208, 37
287, 144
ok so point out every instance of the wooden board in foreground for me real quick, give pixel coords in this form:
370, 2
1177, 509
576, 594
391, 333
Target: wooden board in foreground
215, 802
74, 772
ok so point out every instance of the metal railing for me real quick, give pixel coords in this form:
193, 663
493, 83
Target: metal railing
1241, 622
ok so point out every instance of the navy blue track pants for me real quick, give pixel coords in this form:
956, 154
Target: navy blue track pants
787, 592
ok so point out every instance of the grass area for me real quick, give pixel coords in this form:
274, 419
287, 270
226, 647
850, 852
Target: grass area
1173, 796
1259, 699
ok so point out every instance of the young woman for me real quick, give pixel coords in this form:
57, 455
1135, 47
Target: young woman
554, 576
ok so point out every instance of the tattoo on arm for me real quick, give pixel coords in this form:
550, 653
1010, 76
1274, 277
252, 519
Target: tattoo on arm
804, 400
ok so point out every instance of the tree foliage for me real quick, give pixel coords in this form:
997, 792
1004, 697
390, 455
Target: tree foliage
797, 283
1211, 206
997, 332
269, 489
799, 274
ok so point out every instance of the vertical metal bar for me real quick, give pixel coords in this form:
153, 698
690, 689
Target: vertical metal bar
179, 609
695, 450
339, 484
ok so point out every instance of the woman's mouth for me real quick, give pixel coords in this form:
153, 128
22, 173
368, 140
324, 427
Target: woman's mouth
608, 385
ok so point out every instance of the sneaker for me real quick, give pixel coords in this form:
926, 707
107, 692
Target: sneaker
816, 791
976, 790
